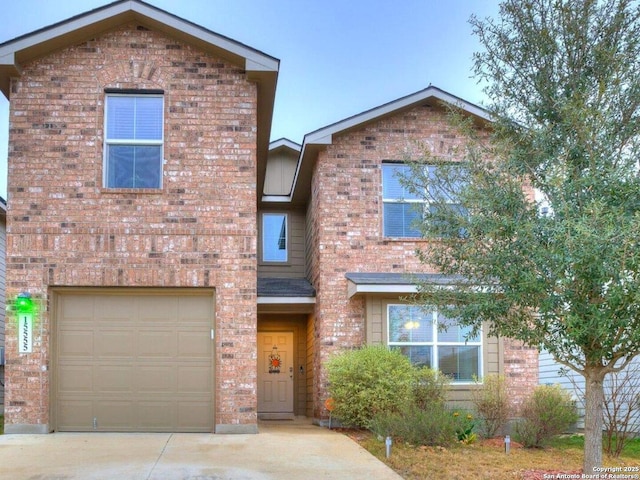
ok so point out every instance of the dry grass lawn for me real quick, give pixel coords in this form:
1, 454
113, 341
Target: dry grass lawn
482, 460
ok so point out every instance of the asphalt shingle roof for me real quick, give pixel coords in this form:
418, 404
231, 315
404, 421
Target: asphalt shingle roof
285, 287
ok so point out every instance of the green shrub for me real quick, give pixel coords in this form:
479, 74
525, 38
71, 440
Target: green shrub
429, 387
549, 411
491, 403
368, 381
433, 425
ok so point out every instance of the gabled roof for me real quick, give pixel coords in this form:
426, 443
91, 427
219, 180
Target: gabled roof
14, 53
260, 67
286, 144
318, 139
324, 136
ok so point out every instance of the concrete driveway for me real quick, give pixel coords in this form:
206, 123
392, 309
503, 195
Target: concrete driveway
282, 451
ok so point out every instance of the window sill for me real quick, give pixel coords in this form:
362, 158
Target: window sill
122, 191
404, 239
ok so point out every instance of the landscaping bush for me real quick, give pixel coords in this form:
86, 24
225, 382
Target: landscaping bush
429, 387
491, 403
549, 411
368, 381
433, 425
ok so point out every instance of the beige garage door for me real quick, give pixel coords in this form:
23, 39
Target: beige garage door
134, 361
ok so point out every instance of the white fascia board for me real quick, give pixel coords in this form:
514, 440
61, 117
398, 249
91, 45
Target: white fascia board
255, 60
286, 300
265, 65
285, 142
355, 289
64, 27
321, 137
276, 198
324, 135
8, 58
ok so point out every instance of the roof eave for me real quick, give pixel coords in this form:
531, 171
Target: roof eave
354, 289
318, 139
284, 143
16, 52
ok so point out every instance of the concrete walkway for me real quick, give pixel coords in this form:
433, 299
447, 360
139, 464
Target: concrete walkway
282, 451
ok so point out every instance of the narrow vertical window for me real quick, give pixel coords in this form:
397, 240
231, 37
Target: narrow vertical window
274, 237
133, 140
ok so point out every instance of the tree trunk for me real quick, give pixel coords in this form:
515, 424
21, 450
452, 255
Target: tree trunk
593, 420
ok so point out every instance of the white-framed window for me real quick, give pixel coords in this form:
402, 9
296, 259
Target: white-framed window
275, 239
430, 339
134, 137
402, 209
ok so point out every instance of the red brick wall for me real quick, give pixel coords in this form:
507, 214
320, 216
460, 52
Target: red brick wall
64, 229
345, 223
520, 371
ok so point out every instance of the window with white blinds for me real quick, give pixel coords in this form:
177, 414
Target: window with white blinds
404, 211
133, 140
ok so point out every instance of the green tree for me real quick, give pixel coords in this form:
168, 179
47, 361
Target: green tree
563, 77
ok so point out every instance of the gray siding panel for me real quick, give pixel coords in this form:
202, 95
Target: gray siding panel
281, 169
549, 374
295, 267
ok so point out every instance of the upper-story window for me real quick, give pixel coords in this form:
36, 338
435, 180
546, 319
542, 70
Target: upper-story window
430, 339
274, 237
403, 209
133, 140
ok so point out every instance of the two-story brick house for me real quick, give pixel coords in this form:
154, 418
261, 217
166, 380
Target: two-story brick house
191, 276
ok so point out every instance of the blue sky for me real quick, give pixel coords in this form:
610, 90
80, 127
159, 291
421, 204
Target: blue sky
337, 57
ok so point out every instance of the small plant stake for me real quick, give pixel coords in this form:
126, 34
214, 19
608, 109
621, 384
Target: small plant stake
387, 444
507, 444
330, 404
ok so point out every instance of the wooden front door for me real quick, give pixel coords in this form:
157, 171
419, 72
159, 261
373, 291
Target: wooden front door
275, 375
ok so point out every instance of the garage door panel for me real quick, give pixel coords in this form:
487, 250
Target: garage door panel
158, 309
194, 307
191, 413
194, 344
114, 378
134, 362
82, 309
158, 416
75, 378
115, 343
77, 414
157, 379
154, 343
73, 343
114, 308
115, 414
194, 379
